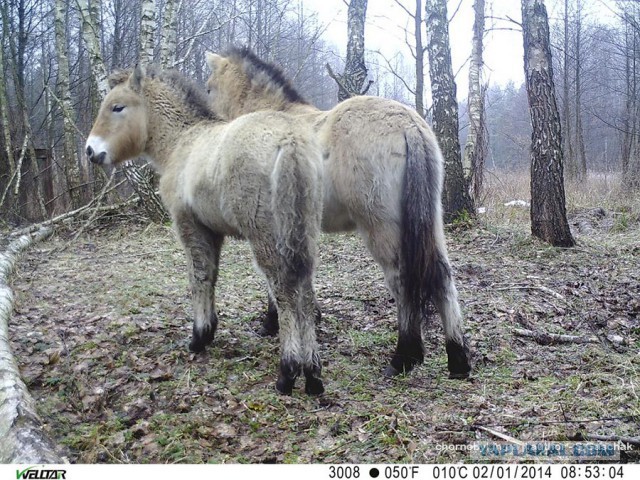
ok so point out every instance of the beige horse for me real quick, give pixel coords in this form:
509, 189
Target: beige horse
383, 177
257, 178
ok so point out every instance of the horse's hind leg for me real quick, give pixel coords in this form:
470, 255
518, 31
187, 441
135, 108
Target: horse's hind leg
299, 350
294, 299
445, 298
382, 240
202, 248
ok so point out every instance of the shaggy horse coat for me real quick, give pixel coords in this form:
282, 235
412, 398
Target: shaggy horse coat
382, 176
257, 178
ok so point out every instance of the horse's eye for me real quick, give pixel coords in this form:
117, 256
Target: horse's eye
208, 91
117, 108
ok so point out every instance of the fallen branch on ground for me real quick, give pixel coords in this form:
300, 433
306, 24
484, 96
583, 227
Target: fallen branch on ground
501, 435
88, 208
635, 441
553, 338
22, 439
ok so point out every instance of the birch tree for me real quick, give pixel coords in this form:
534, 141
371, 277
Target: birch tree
147, 27
566, 106
168, 42
548, 210
456, 199
22, 438
475, 147
351, 82
581, 156
6, 130
70, 151
89, 19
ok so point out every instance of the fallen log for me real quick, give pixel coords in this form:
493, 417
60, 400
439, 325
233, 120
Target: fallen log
22, 439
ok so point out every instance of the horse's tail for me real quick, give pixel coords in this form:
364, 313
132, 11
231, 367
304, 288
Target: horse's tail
297, 203
423, 263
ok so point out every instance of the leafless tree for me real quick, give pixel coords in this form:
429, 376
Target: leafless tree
456, 198
475, 148
352, 80
548, 210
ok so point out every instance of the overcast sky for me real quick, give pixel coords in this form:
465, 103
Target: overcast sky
386, 24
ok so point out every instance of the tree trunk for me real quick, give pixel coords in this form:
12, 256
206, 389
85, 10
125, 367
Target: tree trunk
147, 27
22, 439
548, 210
89, 18
169, 21
456, 199
566, 109
70, 161
351, 82
4, 117
6, 133
475, 149
417, 20
581, 155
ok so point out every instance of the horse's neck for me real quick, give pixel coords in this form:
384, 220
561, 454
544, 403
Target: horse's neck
302, 109
257, 100
166, 130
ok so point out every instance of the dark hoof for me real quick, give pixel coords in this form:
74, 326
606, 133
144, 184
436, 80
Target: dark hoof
314, 386
404, 363
409, 353
458, 360
270, 326
391, 372
285, 386
458, 376
199, 341
266, 331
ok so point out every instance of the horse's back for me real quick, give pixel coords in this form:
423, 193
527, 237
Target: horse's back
228, 173
365, 142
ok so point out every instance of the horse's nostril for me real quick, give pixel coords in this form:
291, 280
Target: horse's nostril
100, 158
89, 151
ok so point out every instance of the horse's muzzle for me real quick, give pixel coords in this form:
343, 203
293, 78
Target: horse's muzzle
96, 158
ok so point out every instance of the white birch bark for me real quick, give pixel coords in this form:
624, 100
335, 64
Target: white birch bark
168, 43
22, 439
473, 159
92, 42
147, 27
4, 117
71, 168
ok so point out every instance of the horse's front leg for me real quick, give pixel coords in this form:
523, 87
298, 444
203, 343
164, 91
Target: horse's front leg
202, 248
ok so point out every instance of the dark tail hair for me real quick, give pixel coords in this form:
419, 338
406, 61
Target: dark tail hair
420, 264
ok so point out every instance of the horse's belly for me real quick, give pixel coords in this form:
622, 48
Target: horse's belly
335, 216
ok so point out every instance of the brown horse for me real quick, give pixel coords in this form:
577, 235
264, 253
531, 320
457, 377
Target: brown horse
257, 178
383, 177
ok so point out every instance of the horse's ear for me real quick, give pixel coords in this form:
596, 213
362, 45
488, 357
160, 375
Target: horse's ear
214, 61
116, 78
135, 80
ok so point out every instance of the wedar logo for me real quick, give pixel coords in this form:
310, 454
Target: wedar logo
38, 473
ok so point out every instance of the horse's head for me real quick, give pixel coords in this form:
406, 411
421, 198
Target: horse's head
240, 83
225, 82
120, 131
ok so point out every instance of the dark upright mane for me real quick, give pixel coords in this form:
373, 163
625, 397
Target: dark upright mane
255, 68
190, 92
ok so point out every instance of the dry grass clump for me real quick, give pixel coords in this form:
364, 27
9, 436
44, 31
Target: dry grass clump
506, 198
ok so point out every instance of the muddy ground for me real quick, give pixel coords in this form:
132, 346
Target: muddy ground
102, 324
